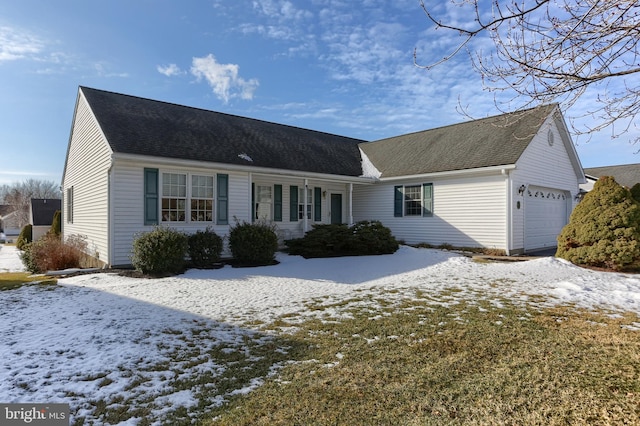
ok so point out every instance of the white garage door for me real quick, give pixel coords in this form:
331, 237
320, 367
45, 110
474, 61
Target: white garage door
545, 214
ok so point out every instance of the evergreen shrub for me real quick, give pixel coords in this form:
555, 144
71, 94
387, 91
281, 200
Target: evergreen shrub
160, 251
25, 237
253, 244
205, 248
56, 224
635, 192
363, 238
604, 229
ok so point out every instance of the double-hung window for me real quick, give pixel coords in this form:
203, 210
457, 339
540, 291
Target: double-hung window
201, 198
187, 196
174, 197
413, 200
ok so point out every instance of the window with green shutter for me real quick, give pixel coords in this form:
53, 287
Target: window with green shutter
293, 203
427, 199
413, 200
277, 203
317, 204
222, 199
151, 196
398, 197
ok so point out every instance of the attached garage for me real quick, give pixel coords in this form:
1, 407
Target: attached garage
546, 212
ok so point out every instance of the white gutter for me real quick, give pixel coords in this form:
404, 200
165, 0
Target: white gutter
509, 224
172, 162
493, 169
111, 239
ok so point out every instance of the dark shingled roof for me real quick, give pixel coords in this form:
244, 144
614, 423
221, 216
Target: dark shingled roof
626, 174
134, 125
43, 210
493, 141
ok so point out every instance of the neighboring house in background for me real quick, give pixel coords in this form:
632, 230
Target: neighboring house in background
9, 221
625, 174
41, 215
506, 182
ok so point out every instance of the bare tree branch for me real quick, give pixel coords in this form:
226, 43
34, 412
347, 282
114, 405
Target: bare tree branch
553, 51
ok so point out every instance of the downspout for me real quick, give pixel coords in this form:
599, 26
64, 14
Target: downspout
509, 224
111, 251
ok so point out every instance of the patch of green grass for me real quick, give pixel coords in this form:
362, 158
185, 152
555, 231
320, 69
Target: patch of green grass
209, 372
13, 280
468, 364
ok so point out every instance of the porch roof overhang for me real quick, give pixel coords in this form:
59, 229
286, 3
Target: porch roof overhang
263, 171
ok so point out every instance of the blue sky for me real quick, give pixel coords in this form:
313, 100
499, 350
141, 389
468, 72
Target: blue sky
338, 66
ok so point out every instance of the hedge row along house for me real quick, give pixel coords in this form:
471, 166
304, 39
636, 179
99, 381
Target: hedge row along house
506, 182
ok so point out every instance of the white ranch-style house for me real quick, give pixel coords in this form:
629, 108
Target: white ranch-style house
507, 182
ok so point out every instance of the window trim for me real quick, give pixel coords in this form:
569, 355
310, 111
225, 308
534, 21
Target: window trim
400, 202
218, 200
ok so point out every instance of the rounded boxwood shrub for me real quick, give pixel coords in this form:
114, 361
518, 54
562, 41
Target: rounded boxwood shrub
25, 237
604, 229
205, 248
253, 244
160, 251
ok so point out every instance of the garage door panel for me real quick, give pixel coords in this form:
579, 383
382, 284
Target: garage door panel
545, 216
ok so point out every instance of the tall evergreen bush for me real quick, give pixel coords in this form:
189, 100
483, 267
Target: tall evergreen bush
604, 229
25, 237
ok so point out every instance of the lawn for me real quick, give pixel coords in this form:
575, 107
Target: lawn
422, 362
418, 337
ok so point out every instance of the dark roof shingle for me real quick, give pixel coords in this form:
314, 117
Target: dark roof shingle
43, 209
625, 174
492, 141
135, 125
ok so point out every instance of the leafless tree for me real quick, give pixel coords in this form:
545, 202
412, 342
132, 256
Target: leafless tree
19, 195
553, 51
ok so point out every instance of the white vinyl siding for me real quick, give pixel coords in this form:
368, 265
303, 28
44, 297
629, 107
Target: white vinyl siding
467, 212
543, 166
128, 204
86, 177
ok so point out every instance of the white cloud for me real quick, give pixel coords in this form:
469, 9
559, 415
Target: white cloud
169, 70
16, 44
223, 78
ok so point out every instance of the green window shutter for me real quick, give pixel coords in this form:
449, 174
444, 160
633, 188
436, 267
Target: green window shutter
293, 203
398, 199
222, 199
254, 210
317, 204
427, 199
277, 203
151, 196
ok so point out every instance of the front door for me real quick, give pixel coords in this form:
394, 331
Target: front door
336, 208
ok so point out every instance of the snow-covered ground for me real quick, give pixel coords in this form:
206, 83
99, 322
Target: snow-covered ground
102, 336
